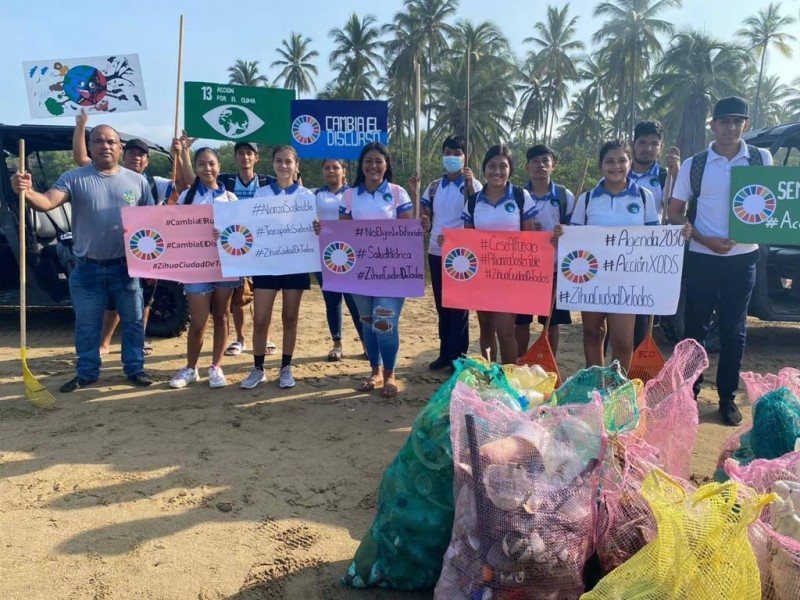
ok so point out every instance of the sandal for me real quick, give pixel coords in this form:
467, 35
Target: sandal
369, 384
335, 354
270, 349
235, 349
389, 390
148, 349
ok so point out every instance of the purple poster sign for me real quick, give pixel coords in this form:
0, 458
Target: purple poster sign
373, 258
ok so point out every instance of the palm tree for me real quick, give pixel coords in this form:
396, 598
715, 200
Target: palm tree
774, 108
762, 31
531, 111
298, 70
631, 35
357, 56
583, 124
554, 61
245, 72
694, 73
793, 105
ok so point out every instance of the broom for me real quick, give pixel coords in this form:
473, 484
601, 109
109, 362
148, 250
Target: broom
647, 360
35, 391
540, 353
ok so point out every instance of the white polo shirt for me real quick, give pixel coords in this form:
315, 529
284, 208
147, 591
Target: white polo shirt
386, 202
546, 209
328, 202
268, 191
503, 216
649, 180
206, 195
447, 205
609, 210
714, 203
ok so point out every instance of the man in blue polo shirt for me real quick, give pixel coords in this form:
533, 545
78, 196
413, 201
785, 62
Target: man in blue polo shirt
719, 271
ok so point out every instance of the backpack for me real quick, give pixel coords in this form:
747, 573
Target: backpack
519, 198
587, 196
696, 176
561, 194
229, 181
151, 181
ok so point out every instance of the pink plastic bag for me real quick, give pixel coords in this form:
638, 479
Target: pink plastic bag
525, 488
670, 411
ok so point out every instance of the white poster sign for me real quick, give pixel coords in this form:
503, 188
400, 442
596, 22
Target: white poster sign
268, 235
630, 270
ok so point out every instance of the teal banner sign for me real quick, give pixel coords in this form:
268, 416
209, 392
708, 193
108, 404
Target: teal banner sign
765, 205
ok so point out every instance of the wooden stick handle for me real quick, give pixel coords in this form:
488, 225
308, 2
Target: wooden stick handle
418, 152
23, 278
583, 179
178, 99
666, 193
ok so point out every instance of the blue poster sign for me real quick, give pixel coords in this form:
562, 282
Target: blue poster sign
338, 128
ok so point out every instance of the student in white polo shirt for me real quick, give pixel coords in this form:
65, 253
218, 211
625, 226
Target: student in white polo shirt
553, 206
205, 298
615, 201
719, 272
500, 206
374, 196
442, 205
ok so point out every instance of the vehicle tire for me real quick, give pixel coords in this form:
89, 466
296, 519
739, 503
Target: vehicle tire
169, 314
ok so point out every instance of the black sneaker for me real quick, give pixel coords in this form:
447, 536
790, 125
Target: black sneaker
730, 413
439, 363
76, 383
141, 379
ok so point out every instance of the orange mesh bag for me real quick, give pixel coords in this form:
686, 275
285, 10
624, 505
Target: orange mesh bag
701, 551
670, 410
525, 488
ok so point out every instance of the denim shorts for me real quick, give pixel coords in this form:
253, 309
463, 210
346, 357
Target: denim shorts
207, 288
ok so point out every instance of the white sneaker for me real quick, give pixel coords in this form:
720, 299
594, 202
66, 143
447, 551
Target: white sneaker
216, 378
184, 377
286, 380
255, 377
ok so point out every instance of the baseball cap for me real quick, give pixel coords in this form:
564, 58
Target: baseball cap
733, 106
249, 145
136, 143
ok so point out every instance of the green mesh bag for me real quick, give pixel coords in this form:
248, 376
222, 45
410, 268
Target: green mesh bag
776, 424
405, 546
616, 391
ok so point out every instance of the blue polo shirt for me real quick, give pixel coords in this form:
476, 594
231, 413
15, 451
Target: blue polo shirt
625, 208
546, 208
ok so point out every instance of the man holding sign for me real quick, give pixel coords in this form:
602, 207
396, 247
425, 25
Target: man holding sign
719, 272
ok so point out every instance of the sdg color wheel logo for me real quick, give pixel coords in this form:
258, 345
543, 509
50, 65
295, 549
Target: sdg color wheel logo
236, 240
339, 257
305, 130
754, 204
461, 264
147, 244
579, 266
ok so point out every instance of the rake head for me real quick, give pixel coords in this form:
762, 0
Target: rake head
35, 391
647, 361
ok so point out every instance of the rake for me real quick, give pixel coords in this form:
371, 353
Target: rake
541, 353
35, 391
647, 360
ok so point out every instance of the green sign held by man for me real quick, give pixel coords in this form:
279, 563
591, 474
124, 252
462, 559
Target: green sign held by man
237, 113
765, 205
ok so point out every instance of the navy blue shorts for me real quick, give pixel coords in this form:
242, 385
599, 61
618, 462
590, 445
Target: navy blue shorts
295, 281
560, 317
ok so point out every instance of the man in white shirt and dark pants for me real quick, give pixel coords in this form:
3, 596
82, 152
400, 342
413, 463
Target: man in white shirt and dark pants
719, 272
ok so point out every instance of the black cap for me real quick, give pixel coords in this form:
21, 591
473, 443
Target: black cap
733, 106
250, 145
137, 144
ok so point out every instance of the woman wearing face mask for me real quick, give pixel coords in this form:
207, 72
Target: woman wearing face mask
266, 287
500, 206
374, 196
442, 204
205, 298
329, 197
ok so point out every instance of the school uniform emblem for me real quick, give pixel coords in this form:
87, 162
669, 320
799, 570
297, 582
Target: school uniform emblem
387, 197
510, 207
634, 208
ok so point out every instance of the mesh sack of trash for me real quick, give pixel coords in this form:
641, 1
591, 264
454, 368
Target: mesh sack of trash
526, 488
701, 551
403, 548
776, 536
625, 523
532, 381
669, 409
617, 392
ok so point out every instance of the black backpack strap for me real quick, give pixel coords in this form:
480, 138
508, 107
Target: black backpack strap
432, 189
754, 158
471, 201
519, 198
586, 199
561, 195
696, 180
662, 177
151, 181
643, 196
264, 180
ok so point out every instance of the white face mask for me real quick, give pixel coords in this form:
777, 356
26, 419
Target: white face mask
452, 164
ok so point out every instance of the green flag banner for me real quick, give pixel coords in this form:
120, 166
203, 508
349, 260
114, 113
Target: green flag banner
219, 111
765, 205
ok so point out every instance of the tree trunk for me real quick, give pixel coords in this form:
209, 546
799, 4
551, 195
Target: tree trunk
757, 107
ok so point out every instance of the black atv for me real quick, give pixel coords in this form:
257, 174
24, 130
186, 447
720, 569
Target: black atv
49, 234
776, 296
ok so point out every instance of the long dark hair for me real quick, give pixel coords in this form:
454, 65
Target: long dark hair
379, 148
193, 188
499, 150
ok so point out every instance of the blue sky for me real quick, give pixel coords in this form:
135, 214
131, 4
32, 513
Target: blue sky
218, 33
